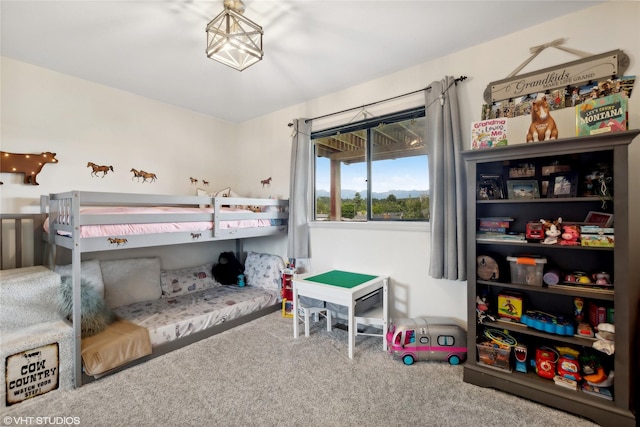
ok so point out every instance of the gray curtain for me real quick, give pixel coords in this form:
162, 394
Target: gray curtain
447, 205
300, 189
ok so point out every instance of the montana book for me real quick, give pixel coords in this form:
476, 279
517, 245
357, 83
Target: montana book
602, 115
488, 133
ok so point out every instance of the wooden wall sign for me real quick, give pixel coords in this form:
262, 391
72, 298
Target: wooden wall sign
32, 373
575, 73
28, 164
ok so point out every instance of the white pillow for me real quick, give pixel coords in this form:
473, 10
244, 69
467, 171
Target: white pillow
89, 270
263, 270
225, 192
128, 281
186, 280
203, 193
228, 192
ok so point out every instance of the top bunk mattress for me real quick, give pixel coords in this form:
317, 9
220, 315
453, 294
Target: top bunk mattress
117, 229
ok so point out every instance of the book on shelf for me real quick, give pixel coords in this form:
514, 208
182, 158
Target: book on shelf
498, 237
604, 392
485, 229
602, 115
493, 223
488, 133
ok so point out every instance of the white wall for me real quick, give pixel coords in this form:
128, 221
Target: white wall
81, 121
86, 122
403, 252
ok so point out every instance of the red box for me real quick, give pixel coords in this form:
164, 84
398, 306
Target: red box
597, 314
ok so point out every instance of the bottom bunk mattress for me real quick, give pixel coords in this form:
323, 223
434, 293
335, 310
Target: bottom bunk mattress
168, 319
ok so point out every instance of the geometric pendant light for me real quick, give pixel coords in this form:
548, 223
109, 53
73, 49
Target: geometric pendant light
233, 39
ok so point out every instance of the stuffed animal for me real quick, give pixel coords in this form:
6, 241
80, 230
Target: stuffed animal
570, 235
552, 231
542, 127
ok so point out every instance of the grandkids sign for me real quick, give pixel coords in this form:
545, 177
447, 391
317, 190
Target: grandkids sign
31, 373
570, 74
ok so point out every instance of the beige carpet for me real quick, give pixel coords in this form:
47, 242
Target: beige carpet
257, 374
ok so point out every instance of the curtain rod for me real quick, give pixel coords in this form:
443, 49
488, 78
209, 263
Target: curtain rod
459, 79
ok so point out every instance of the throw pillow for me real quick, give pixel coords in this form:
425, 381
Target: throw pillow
95, 316
186, 280
89, 270
263, 270
127, 281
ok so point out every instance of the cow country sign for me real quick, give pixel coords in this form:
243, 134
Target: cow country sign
32, 373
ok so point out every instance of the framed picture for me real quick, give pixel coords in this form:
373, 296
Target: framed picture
544, 187
600, 218
563, 184
554, 168
490, 187
523, 189
522, 170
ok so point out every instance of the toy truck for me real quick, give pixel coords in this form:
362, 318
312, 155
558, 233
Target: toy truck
427, 338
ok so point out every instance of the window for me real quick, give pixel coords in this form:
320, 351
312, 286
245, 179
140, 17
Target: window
373, 170
447, 340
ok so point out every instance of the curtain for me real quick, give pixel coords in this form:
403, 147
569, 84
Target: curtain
447, 200
300, 189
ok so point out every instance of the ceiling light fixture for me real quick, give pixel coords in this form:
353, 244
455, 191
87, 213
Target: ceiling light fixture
233, 39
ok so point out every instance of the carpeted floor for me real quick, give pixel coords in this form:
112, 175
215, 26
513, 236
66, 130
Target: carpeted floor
257, 374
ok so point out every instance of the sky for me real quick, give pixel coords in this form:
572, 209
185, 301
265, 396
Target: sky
408, 173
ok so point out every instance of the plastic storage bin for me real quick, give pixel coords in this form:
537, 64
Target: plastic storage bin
494, 355
527, 270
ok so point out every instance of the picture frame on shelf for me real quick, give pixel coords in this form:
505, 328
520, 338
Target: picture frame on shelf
554, 168
490, 187
544, 187
522, 170
599, 218
563, 184
523, 189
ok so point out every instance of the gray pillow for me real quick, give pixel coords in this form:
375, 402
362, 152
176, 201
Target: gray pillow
127, 281
95, 316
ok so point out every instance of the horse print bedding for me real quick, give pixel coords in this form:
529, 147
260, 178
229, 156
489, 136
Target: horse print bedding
169, 319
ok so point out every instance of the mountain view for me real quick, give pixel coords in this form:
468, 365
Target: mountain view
400, 194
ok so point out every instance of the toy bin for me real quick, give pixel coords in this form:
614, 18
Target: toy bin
527, 270
494, 355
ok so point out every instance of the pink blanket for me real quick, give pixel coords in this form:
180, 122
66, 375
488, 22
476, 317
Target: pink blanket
105, 230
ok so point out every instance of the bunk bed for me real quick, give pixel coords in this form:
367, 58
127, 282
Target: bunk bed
83, 222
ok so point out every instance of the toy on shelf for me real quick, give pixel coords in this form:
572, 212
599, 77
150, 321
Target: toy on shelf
520, 354
494, 349
482, 309
547, 323
534, 230
545, 362
568, 365
551, 230
570, 235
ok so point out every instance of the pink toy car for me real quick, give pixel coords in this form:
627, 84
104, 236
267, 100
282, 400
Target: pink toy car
427, 338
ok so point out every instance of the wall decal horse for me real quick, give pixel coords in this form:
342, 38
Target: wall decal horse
99, 168
147, 176
266, 182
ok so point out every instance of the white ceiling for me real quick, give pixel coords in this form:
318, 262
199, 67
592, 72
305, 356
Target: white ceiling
155, 48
